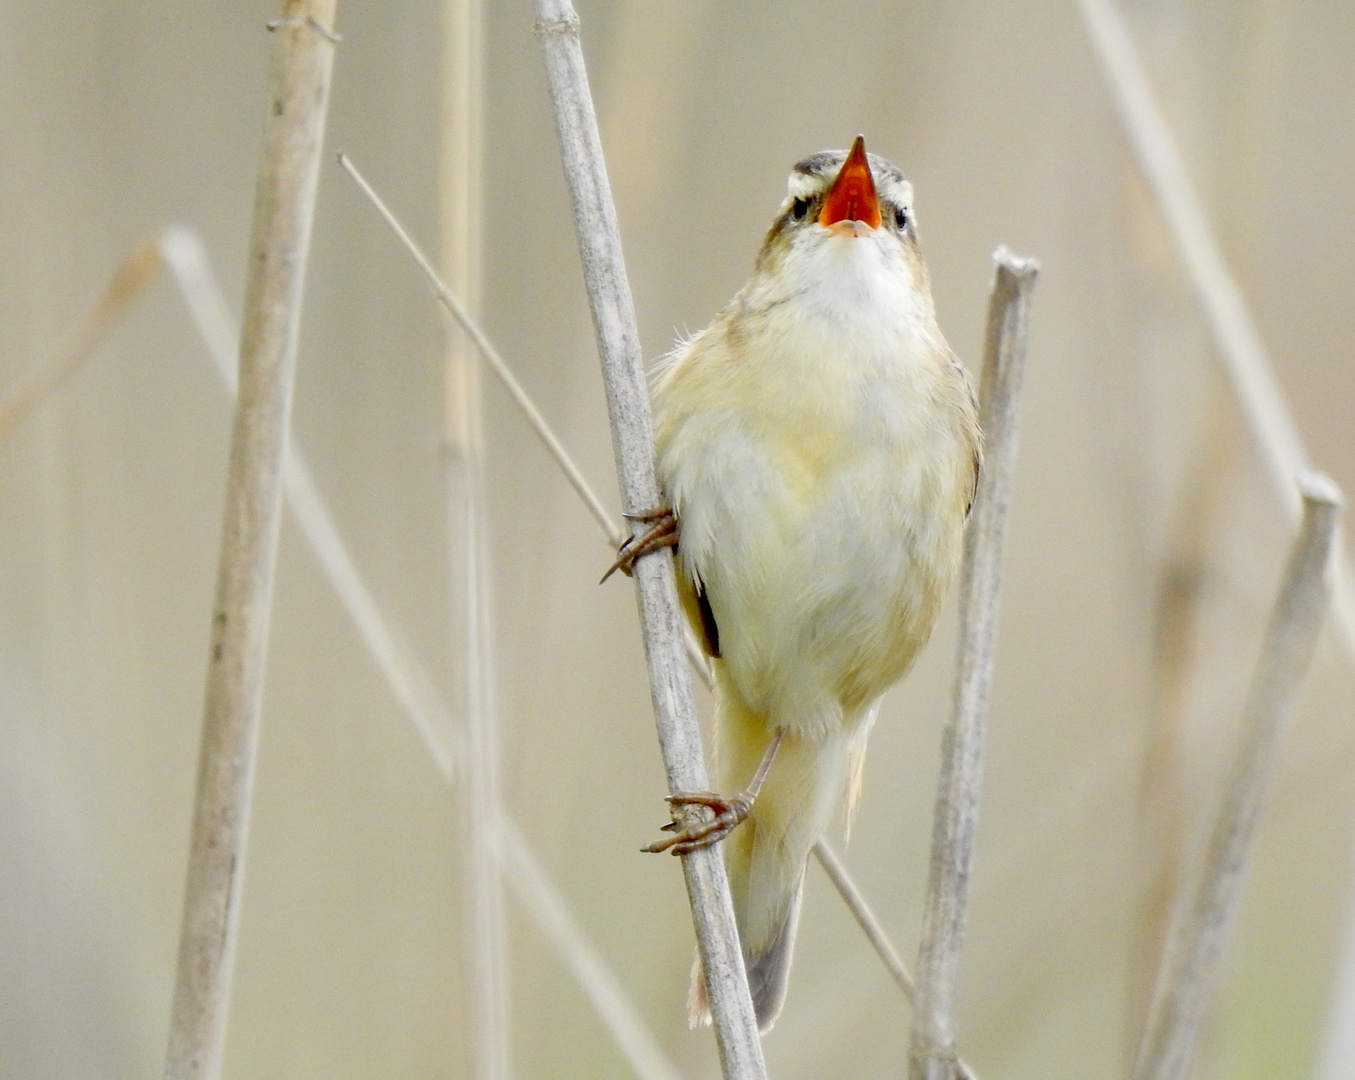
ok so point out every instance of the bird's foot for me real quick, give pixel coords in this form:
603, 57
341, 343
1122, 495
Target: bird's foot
662, 533
729, 813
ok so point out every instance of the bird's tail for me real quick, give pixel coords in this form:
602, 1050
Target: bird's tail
765, 856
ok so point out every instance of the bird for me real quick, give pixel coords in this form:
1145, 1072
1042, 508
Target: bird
818, 445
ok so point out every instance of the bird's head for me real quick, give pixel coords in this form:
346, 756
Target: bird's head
845, 226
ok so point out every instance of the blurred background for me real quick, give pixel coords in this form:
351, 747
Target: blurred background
1145, 544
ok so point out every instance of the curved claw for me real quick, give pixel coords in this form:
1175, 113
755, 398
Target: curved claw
662, 533
729, 814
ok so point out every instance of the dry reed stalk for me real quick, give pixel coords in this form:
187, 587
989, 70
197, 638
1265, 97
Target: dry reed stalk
129, 281
453, 305
875, 934
449, 300
1236, 339
398, 663
183, 253
553, 919
459, 218
632, 439
413, 689
836, 871
460, 182
865, 918
1164, 795
1200, 927
485, 934
298, 94
932, 1053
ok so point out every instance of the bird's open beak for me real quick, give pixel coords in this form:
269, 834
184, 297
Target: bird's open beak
852, 197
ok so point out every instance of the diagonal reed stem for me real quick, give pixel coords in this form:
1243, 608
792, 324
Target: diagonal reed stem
1237, 341
182, 252
1200, 927
284, 209
491, 356
412, 688
542, 900
932, 1053
409, 681
865, 917
129, 281
832, 865
509, 381
633, 443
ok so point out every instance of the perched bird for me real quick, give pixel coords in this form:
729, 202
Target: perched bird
819, 447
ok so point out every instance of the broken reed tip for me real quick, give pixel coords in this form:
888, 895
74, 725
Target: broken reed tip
1316, 487
1019, 265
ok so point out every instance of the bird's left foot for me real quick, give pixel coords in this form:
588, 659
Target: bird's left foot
729, 813
662, 533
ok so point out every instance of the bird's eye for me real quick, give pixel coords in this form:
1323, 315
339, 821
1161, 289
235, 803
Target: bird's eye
901, 219
799, 208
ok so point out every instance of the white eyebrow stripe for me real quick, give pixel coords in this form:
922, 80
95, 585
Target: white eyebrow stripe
805, 186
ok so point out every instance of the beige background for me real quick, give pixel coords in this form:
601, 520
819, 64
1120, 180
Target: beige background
116, 119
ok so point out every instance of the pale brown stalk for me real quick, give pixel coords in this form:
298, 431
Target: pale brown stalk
284, 207
129, 281
932, 1053
633, 444
461, 159
1164, 796
1237, 341
406, 676
491, 356
1202, 920
414, 690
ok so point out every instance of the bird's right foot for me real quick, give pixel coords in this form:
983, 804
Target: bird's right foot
662, 533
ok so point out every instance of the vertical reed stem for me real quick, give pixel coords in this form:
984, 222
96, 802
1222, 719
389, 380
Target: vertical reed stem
1162, 825
932, 1052
459, 178
284, 206
1200, 928
633, 443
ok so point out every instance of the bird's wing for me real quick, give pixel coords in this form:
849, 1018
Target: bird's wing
710, 631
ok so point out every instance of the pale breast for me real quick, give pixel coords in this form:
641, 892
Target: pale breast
821, 491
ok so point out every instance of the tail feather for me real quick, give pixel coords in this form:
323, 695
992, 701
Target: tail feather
768, 975
765, 856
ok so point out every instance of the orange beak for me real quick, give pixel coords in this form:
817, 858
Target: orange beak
852, 196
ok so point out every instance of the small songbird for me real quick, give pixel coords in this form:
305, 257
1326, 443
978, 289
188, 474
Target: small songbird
819, 447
